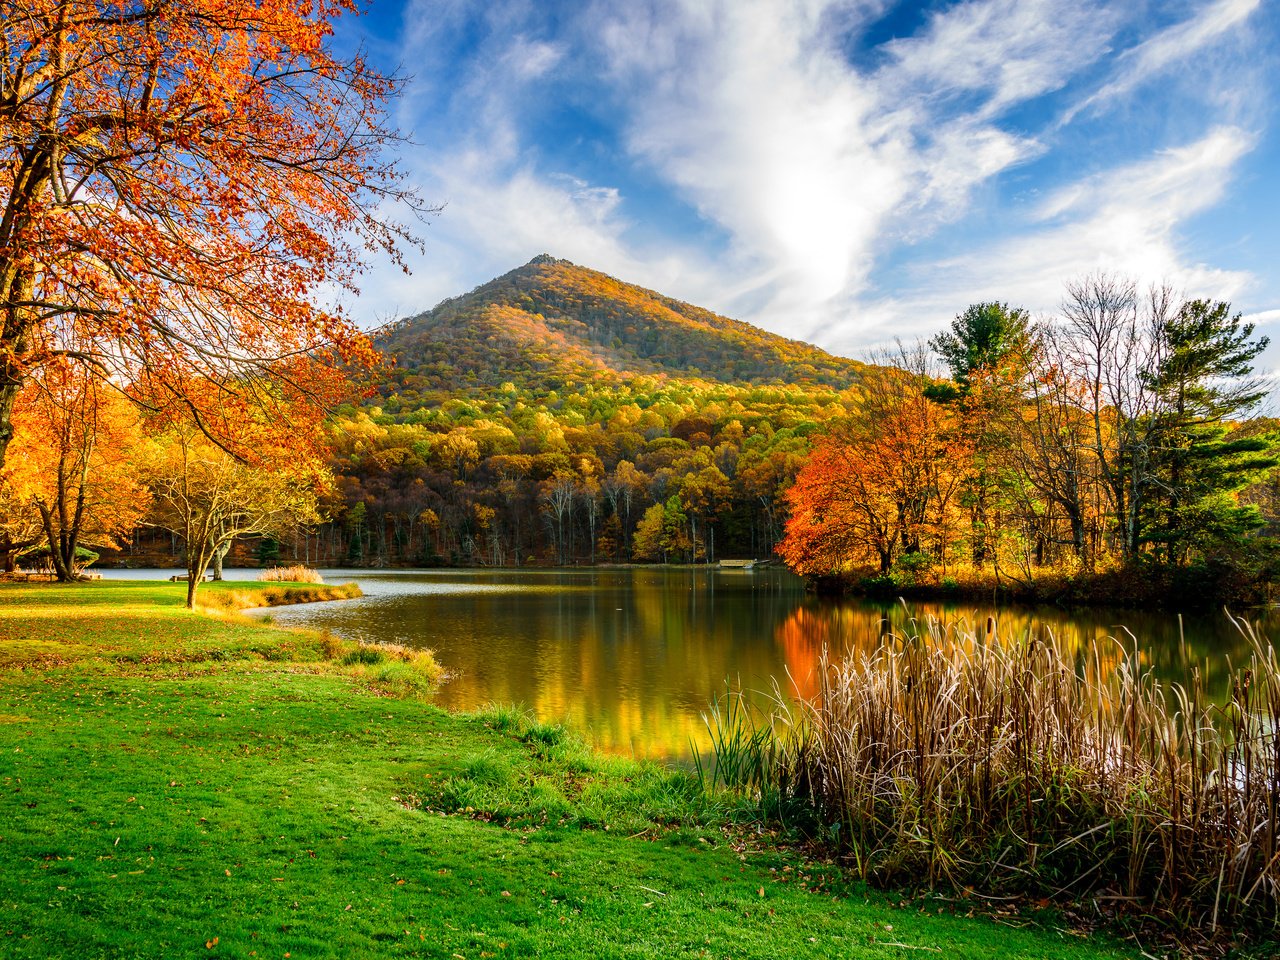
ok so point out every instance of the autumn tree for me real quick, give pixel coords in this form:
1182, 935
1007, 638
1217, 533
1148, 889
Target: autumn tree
883, 482
985, 352
177, 180
20, 527
662, 531
1055, 445
79, 450
622, 487
704, 495
557, 498
209, 497
1109, 337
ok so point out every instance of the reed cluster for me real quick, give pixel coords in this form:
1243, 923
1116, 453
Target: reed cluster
222, 598
294, 574
948, 758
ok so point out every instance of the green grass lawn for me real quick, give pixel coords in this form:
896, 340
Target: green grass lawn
175, 784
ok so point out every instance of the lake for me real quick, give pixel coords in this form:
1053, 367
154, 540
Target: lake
633, 656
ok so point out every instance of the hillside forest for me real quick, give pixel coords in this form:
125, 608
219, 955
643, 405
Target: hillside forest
559, 416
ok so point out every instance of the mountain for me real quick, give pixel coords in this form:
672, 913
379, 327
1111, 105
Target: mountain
551, 324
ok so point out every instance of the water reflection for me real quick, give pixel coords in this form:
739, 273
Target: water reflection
634, 656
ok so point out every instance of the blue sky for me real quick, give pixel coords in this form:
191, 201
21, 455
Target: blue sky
841, 172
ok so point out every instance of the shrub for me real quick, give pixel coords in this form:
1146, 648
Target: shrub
396, 668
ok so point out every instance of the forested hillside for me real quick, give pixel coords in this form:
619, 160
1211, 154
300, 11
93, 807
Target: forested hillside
552, 325
557, 415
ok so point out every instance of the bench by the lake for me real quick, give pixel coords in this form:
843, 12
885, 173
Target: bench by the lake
737, 564
183, 578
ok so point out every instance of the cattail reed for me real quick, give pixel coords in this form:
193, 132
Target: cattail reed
951, 759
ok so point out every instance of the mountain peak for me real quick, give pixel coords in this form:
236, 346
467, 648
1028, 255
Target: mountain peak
562, 325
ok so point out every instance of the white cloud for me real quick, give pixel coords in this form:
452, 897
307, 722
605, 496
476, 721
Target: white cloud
1262, 318
530, 60
1168, 48
1123, 221
751, 109
1009, 50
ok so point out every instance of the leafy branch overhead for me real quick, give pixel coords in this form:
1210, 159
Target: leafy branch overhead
177, 182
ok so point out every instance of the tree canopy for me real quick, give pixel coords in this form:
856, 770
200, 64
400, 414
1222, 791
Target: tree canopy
178, 178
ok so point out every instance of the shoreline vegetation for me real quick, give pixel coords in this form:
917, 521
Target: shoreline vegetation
957, 759
1198, 586
219, 785
233, 597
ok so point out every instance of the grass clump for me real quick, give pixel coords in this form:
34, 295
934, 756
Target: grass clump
557, 779
544, 734
297, 573
390, 667
503, 717
364, 654
1025, 769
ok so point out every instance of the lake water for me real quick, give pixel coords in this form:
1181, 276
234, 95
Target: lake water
634, 656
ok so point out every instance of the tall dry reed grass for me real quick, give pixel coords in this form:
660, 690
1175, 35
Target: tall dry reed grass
294, 574
951, 759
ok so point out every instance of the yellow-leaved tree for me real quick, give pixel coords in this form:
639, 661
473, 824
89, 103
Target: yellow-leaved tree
209, 497
74, 472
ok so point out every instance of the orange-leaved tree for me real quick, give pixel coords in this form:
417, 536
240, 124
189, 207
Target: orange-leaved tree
78, 453
178, 180
20, 528
882, 483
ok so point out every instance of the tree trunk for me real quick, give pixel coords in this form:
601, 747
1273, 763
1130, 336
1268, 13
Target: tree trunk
10, 385
13, 344
56, 559
978, 530
197, 563
219, 552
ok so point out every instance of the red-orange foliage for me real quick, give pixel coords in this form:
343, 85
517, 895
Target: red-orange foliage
177, 178
880, 483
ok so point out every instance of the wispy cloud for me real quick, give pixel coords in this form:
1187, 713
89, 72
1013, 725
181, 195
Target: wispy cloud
1122, 221
753, 111
1170, 47
1009, 51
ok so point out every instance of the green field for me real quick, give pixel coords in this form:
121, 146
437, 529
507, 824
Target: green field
178, 784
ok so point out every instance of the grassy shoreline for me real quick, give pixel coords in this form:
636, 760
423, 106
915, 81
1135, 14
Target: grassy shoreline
179, 783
